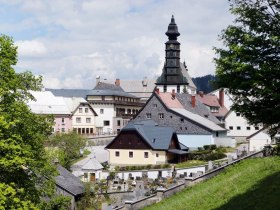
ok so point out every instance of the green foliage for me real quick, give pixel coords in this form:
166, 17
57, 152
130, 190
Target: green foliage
250, 184
248, 65
11, 198
23, 161
68, 147
90, 199
56, 203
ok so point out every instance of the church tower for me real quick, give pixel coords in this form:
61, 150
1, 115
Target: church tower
174, 72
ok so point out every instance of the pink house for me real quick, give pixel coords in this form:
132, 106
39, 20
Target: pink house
48, 104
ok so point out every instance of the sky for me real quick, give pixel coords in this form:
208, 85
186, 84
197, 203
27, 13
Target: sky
70, 42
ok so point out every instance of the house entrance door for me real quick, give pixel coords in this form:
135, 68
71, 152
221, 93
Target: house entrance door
92, 177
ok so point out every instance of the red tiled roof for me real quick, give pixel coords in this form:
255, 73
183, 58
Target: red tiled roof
209, 100
169, 101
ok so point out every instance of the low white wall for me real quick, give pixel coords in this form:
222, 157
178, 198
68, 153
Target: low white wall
225, 142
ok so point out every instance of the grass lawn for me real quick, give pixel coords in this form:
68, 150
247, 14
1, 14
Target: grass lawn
251, 184
190, 163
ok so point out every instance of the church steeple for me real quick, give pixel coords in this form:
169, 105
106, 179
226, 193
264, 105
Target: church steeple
172, 72
172, 31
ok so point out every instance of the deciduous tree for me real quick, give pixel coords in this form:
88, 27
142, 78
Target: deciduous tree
249, 63
23, 163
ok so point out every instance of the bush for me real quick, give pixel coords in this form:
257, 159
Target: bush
156, 166
149, 166
215, 156
166, 165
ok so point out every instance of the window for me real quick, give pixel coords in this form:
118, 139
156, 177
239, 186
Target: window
87, 130
157, 155
230, 127
248, 128
88, 120
160, 115
101, 111
62, 130
182, 120
106, 122
164, 88
217, 134
146, 155
91, 130
238, 128
131, 154
80, 110
119, 123
117, 154
148, 115
256, 128
83, 130
103, 98
78, 120
238, 114
86, 110
178, 88
85, 175
155, 105
62, 119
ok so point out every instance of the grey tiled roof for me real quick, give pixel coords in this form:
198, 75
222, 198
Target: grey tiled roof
200, 108
201, 120
69, 182
158, 137
107, 86
106, 89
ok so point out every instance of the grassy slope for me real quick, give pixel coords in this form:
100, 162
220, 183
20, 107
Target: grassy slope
251, 184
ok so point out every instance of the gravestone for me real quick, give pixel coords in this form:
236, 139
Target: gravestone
230, 158
210, 165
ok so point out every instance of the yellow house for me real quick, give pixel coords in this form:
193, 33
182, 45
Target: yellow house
143, 143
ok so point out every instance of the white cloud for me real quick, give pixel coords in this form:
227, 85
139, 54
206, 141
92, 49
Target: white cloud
31, 48
71, 42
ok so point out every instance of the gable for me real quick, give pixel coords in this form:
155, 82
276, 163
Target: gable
128, 140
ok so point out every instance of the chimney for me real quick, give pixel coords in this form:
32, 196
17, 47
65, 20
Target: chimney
221, 97
157, 91
201, 93
97, 79
173, 94
193, 101
145, 82
118, 82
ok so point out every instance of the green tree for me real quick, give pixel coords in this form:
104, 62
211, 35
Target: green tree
67, 147
23, 163
249, 63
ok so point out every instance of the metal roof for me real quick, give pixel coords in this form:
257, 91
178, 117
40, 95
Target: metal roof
197, 118
68, 93
158, 137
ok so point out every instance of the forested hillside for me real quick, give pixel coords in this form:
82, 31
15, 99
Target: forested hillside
204, 83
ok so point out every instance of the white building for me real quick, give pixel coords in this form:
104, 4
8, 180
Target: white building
83, 115
258, 140
113, 106
236, 124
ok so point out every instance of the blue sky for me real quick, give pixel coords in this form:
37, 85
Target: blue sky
70, 42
